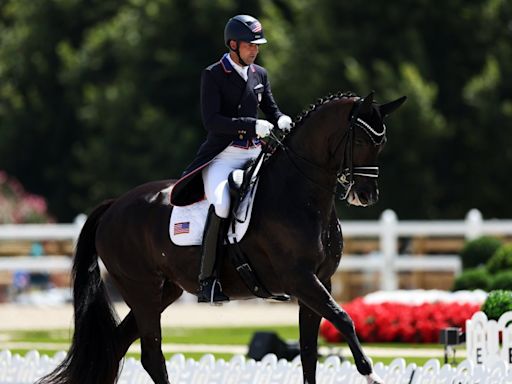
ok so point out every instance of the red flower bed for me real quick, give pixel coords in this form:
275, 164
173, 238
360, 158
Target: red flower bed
387, 322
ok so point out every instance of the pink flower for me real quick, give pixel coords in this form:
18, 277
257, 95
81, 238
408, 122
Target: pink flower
18, 206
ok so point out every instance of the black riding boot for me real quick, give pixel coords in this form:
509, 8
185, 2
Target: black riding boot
209, 286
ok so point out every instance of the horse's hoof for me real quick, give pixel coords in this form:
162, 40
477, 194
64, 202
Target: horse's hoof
373, 378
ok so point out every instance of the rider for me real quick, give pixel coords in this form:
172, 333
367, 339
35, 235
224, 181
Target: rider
231, 92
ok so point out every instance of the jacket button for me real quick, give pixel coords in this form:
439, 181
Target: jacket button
239, 106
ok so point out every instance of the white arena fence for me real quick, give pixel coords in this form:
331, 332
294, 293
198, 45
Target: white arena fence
239, 370
388, 230
489, 341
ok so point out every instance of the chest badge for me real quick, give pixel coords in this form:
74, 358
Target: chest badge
259, 91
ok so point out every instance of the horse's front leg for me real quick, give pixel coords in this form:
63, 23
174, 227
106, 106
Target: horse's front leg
309, 291
309, 322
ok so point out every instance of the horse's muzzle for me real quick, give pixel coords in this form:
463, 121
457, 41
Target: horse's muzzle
363, 193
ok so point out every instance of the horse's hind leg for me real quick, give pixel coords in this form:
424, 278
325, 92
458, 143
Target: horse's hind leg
147, 300
127, 330
127, 333
148, 321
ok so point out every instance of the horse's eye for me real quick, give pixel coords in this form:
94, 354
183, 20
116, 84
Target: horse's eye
359, 142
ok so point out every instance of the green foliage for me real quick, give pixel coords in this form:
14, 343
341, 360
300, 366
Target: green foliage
470, 279
478, 251
501, 260
98, 96
394, 50
497, 303
502, 280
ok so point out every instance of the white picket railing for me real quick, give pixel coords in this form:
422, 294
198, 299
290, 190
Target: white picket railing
388, 229
489, 341
26, 369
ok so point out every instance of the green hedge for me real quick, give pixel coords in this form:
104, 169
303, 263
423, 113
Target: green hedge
501, 261
475, 278
477, 252
497, 303
502, 280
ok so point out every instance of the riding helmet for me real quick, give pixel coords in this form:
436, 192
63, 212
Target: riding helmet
244, 28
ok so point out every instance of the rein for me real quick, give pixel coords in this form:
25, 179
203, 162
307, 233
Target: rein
291, 154
344, 177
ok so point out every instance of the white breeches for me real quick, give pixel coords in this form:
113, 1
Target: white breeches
215, 175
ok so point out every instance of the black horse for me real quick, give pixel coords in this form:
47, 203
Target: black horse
294, 244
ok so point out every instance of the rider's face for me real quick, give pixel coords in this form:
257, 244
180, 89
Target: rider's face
248, 52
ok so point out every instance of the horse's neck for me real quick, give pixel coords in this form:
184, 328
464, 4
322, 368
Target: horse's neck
306, 168
296, 180
316, 137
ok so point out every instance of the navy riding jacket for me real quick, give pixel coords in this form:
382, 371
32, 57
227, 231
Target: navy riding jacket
229, 109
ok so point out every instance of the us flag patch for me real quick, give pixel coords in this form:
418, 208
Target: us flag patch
180, 228
256, 27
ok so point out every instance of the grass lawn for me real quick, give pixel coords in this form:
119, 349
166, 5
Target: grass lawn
240, 336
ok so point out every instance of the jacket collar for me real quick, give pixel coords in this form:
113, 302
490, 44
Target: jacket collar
228, 67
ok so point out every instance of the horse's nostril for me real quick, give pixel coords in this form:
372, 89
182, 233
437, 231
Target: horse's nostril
367, 196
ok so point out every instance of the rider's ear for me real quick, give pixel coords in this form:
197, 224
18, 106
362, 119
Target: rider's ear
386, 109
366, 106
233, 44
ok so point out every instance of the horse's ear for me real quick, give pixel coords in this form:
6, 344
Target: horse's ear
386, 109
366, 104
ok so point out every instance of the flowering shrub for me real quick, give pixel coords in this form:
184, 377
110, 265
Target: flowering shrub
18, 206
389, 322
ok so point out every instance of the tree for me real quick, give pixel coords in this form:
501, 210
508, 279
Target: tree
98, 96
437, 141
106, 95
38, 119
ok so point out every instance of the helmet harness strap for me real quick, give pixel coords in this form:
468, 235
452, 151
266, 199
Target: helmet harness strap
237, 51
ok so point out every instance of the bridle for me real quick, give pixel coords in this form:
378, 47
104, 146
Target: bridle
347, 170
345, 177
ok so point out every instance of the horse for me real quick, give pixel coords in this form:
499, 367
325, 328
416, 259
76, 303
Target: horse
294, 244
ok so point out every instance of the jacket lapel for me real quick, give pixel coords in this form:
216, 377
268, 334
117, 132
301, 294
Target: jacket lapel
252, 81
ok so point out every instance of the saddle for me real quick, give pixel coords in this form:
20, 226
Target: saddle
187, 223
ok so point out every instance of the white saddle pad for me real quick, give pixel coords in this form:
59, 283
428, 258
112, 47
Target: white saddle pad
186, 225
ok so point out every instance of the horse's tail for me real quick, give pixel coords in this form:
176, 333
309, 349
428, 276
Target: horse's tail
92, 357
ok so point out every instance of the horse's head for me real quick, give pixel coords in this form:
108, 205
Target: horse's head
338, 140
365, 140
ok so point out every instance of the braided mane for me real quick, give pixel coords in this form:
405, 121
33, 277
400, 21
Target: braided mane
279, 136
299, 119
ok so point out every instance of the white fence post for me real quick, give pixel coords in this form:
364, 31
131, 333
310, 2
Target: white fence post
389, 249
474, 223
